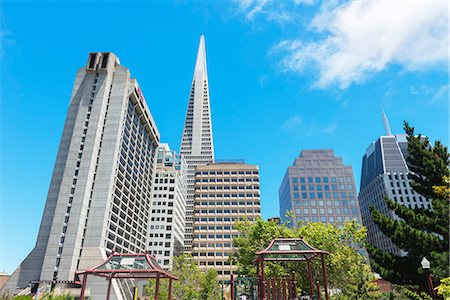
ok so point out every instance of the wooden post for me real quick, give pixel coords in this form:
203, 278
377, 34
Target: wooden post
319, 295
294, 288
263, 283
311, 286
274, 289
169, 297
108, 293
325, 284
157, 287
283, 297
83, 287
232, 286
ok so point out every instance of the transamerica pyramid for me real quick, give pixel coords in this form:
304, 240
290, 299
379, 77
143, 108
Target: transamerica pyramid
197, 142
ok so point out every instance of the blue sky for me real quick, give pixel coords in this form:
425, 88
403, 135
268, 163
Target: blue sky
283, 75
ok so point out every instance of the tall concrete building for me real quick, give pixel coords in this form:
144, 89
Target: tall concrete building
99, 195
224, 192
385, 174
168, 217
197, 145
318, 187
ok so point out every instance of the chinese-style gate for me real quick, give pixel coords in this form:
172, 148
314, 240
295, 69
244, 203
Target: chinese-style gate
126, 266
284, 249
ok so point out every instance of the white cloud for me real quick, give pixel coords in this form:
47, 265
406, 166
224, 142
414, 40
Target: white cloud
297, 124
442, 94
361, 38
431, 93
273, 10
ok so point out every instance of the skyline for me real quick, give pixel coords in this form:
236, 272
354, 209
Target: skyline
245, 83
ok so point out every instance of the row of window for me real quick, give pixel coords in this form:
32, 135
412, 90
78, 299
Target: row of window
226, 195
212, 245
337, 210
313, 195
223, 219
167, 236
227, 211
214, 236
211, 254
214, 227
249, 179
322, 203
324, 219
226, 203
321, 179
227, 173
334, 187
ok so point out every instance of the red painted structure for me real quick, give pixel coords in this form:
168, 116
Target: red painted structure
126, 266
285, 249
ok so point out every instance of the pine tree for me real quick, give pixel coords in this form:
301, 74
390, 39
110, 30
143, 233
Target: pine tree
420, 232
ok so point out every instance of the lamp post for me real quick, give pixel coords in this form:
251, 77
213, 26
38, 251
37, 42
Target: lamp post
426, 267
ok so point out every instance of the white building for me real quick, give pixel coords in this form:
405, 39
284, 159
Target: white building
197, 142
167, 221
99, 195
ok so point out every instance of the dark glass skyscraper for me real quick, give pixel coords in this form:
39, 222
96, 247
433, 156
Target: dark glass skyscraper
385, 174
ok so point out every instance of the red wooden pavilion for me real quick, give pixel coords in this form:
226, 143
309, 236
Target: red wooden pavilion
126, 266
285, 249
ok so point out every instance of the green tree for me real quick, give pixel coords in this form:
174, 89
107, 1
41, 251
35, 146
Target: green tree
443, 289
210, 288
420, 232
347, 269
192, 283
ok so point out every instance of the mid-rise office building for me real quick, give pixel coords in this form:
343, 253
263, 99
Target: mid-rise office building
99, 195
318, 187
224, 193
197, 144
385, 174
167, 221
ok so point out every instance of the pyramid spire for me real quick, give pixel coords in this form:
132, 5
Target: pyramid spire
200, 65
387, 127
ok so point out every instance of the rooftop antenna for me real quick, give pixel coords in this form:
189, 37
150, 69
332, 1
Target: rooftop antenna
387, 127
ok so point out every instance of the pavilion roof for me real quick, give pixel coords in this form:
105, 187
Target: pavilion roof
286, 249
128, 265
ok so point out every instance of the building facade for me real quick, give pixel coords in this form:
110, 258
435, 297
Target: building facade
385, 174
197, 145
318, 187
99, 195
224, 193
168, 217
